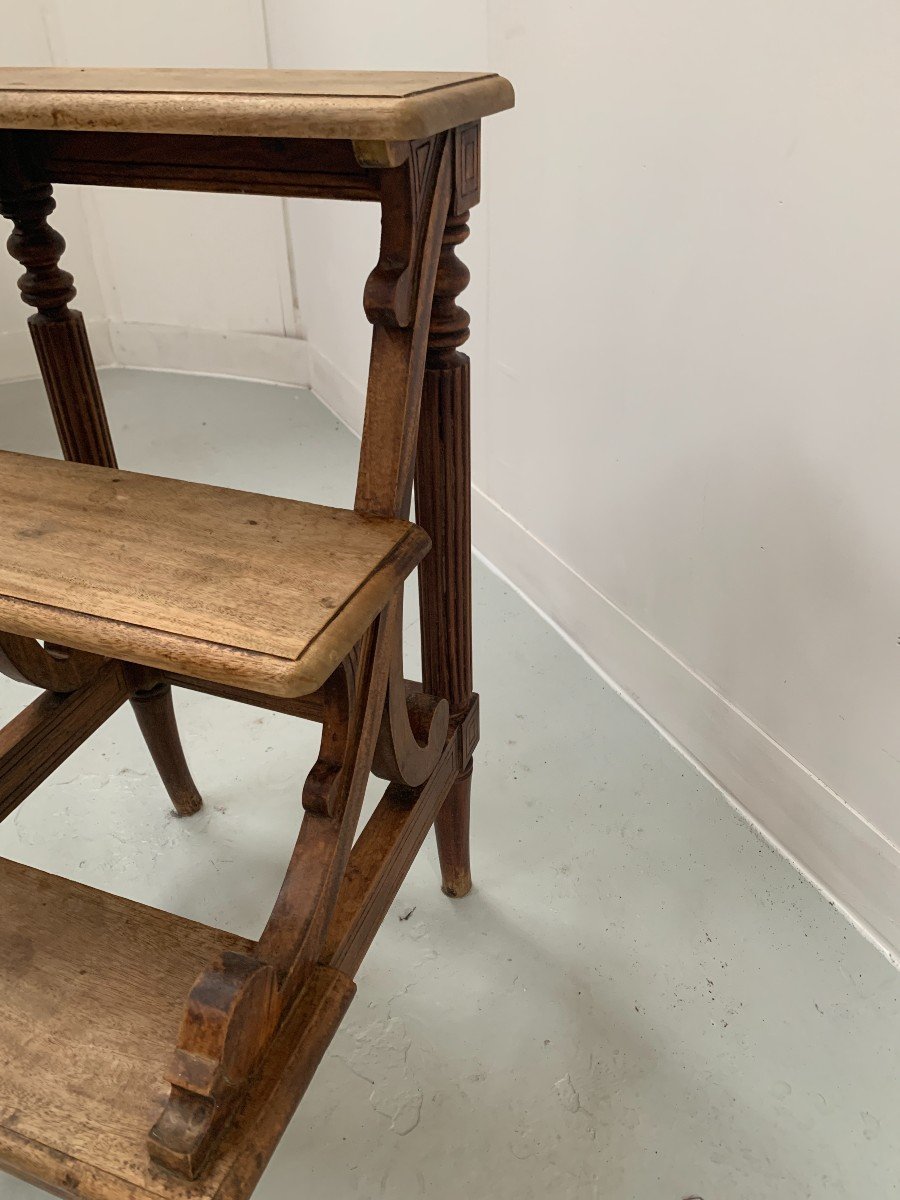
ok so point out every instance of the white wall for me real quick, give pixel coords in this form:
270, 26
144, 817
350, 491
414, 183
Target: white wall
686, 412
705, 375
335, 246
173, 261
686, 367
26, 42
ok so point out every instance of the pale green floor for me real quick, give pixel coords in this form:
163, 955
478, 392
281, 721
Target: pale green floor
640, 1001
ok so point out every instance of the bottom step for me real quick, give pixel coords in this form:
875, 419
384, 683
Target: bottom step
92, 989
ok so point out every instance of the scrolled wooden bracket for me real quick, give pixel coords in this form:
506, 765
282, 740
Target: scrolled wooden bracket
414, 726
406, 191
55, 670
397, 362
322, 787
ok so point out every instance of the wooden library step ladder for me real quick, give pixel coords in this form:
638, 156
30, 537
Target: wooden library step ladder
143, 1055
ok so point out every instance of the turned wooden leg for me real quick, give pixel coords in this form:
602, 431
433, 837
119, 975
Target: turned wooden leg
156, 718
443, 508
67, 368
58, 332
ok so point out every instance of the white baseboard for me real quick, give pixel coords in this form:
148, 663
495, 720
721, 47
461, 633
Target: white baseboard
17, 360
337, 392
846, 858
856, 868
262, 356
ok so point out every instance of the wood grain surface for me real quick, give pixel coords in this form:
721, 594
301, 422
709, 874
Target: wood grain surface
253, 590
92, 989
91, 993
379, 105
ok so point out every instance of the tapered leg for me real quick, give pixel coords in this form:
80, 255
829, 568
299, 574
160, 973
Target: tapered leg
67, 368
451, 828
156, 718
443, 508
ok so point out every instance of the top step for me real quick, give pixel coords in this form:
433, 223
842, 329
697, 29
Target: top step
361, 105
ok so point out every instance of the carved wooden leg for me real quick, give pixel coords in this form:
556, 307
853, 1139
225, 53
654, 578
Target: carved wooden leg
58, 332
67, 368
443, 508
156, 719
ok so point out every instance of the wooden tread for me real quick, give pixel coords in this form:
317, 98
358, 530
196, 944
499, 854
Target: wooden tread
232, 587
92, 989
364, 105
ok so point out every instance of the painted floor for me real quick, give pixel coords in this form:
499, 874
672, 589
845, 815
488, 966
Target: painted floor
640, 1001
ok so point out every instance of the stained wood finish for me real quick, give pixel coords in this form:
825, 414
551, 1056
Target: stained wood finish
155, 711
408, 190
58, 332
414, 725
249, 165
264, 593
385, 849
238, 1003
43, 736
57, 670
77, 1125
78, 1122
389, 105
309, 708
443, 508
163, 1059
397, 363
67, 368
98, 1100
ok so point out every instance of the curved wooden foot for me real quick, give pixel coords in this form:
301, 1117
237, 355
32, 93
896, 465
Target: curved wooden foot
156, 718
451, 829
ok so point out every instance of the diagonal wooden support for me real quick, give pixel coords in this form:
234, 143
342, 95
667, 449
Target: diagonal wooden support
41, 737
240, 1002
385, 849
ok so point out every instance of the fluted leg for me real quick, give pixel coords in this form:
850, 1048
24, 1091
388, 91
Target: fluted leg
58, 332
443, 508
